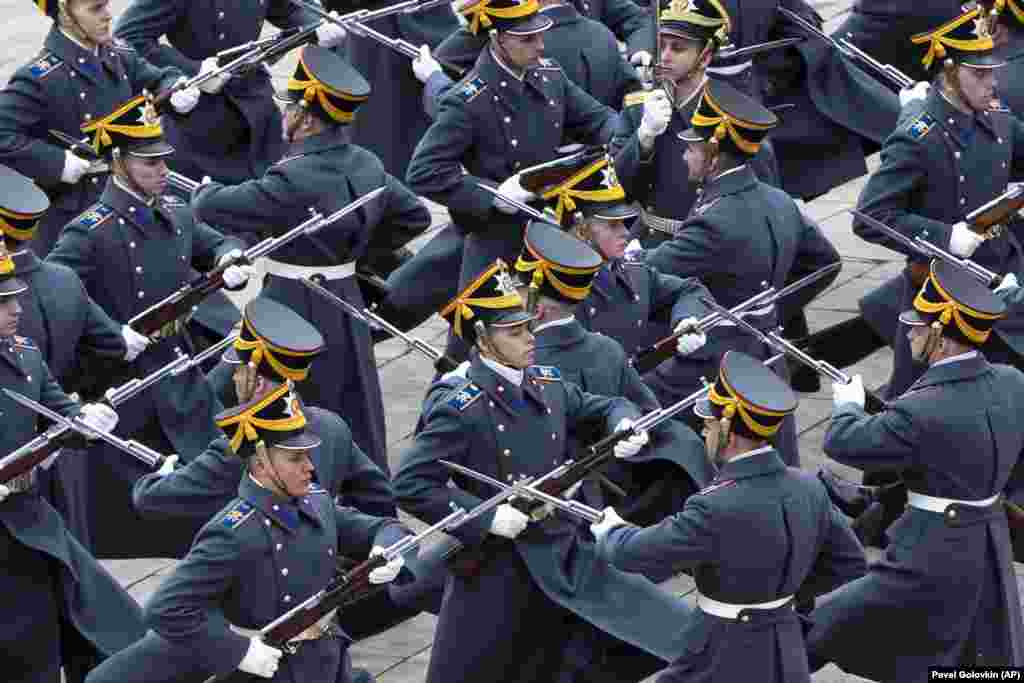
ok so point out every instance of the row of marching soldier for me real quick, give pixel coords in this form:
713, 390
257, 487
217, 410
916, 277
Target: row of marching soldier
624, 277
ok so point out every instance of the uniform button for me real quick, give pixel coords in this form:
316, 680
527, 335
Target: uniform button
490, 404
220, 15
552, 103
507, 452
95, 180
963, 178
501, 390
951, 513
557, 124
183, 258
278, 547
636, 297
745, 618
516, 164
221, 36
1004, 164
956, 155
501, 428
72, 74
81, 95
284, 572
508, 119
515, 142
276, 508
963, 200
639, 323
554, 436
29, 379
179, 231
593, 311
120, 221
142, 294
81, 60
495, 98
999, 140
87, 117
287, 598
138, 269
131, 209
131, 244
549, 411
267, 522
951, 122
504, 84
330, 551
544, 78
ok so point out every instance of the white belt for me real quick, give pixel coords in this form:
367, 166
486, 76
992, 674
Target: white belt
727, 610
669, 226
933, 504
729, 70
292, 272
754, 312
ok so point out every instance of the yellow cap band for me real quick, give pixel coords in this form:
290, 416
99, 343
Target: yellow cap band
733, 404
264, 350
938, 39
480, 13
567, 195
953, 310
462, 305
247, 421
542, 269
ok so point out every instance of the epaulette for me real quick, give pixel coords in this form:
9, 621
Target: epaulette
172, 200
701, 208
234, 517
45, 65
121, 45
316, 489
638, 97
95, 216
548, 64
724, 484
24, 342
546, 373
469, 87
291, 158
462, 398
920, 126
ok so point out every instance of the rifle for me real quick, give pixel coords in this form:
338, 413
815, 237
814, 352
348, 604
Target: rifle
133, 448
649, 358
468, 562
919, 271
528, 210
30, 454
262, 51
182, 182
364, 15
83, 150
442, 363
342, 590
873, 402
750, 50
572, 507
890, 73
990, 218
404, 47
185, 299
543, 177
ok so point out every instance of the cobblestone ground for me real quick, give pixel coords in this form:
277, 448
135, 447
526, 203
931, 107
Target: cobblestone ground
401, 654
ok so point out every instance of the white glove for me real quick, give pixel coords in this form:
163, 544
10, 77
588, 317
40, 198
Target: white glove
632, 445
1009, 282
848, 393
185, 100
260, 660
134, 342
691, 341
609, 521
235, 276
513, 190
74, 168
508, 522
963, 241
330, 34
457, 372
4, 492
641, 58
215, 84
633, 250
99, 416
918, 92
657, 114
168, 465
387, 572
425, 66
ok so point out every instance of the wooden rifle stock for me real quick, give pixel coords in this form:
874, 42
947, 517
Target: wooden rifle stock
179, 303
542, 177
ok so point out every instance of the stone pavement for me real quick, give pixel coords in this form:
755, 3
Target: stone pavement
401, 655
